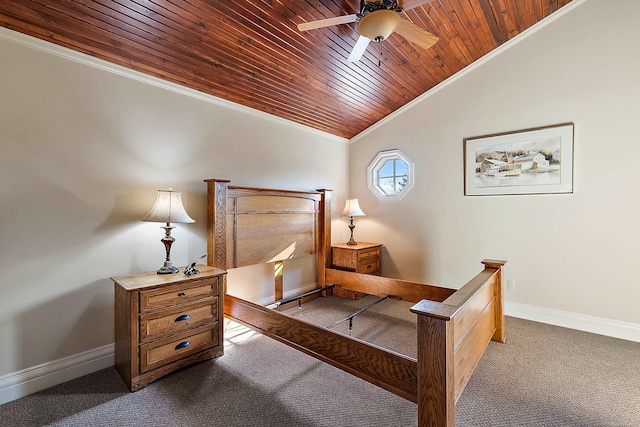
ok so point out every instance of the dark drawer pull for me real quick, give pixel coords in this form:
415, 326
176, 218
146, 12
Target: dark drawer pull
182, 317
182, 294
369, 266
183, 344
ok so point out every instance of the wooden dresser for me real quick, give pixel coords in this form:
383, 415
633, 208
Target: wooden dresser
360, 258
164, 322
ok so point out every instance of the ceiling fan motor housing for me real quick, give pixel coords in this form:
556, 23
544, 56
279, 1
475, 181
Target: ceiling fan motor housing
379, 24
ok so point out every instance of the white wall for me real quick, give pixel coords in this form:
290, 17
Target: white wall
577, 253
83, 152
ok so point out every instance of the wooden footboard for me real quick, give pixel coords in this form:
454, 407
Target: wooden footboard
452, 337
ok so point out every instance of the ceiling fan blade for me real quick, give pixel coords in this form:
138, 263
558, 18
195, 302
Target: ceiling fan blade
358, 49
415, 34
346, 19
410, 4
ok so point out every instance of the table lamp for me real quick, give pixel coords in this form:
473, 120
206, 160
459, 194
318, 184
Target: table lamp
168, 208
351, 209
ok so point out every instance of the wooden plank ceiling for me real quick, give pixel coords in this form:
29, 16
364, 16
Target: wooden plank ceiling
251, 52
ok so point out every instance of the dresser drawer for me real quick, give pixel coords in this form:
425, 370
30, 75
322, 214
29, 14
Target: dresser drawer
371, 266
163, 351
178, 294
167, 322
365, 254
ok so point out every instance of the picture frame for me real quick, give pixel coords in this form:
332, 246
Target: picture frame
530, 161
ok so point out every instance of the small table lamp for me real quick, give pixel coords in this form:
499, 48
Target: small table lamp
351, 209
168, 208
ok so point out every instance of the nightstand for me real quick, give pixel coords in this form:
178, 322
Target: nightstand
360, 258
164, 322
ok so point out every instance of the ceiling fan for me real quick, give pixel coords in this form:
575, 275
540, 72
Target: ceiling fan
376, 21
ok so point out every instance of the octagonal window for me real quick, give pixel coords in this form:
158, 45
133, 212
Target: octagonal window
390, 175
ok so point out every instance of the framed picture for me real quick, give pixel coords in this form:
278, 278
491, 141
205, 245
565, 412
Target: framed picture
532, 161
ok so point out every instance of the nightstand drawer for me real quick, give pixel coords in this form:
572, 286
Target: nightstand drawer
161, 352
166, 322
368, 254
369, 266
161, 298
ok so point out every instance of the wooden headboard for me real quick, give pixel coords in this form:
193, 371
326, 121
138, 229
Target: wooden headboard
248, 226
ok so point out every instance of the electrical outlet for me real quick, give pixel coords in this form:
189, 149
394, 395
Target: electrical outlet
511, 285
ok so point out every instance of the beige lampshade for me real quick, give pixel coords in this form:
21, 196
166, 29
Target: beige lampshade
379, 24
168, 208
352, 208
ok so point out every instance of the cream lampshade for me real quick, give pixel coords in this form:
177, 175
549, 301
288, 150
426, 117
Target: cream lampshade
167, 209
351, 209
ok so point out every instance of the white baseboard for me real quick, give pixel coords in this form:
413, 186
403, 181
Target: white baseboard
37, 378
31, 380
581, 322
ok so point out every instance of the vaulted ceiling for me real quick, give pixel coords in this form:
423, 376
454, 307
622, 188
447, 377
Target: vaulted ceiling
252, 53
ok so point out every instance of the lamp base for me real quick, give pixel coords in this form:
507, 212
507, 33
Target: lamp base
168, 268
351, 227
167, 240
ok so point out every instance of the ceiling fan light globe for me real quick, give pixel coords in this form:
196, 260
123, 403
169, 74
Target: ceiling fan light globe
379, 24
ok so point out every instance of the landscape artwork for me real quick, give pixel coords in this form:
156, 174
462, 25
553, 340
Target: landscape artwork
533, 161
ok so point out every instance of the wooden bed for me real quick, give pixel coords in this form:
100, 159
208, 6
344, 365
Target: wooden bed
247, 226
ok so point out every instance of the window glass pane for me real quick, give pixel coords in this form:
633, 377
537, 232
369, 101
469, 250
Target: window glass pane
401, 182
387, 169
387, 185
402, 169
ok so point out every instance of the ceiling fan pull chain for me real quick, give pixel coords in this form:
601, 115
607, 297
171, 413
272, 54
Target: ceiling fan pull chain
380, 58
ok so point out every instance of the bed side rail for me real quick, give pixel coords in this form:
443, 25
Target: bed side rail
391, 371
384, 286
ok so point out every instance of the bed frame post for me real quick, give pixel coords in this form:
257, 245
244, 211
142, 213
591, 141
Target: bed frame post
324, 233
498, 299
278, 271
436, 388
217, 222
